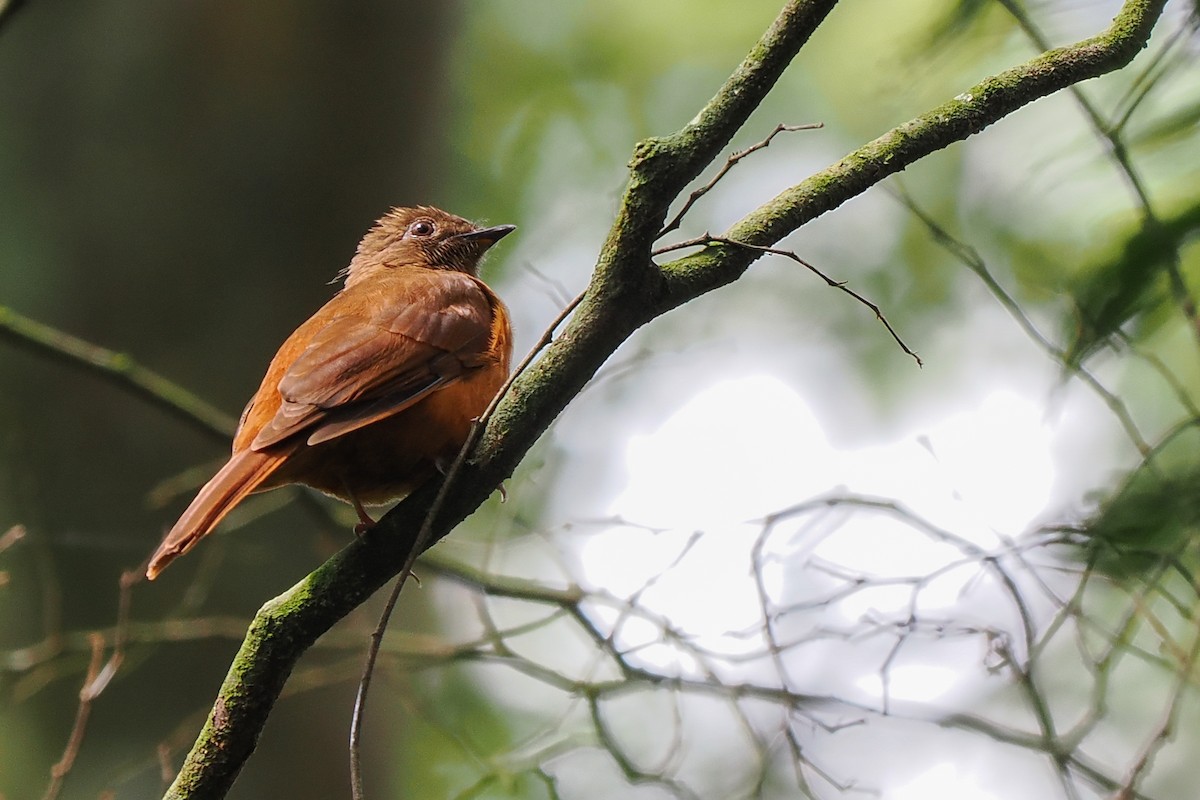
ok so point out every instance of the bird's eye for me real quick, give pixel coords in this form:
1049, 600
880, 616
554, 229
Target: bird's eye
422, 227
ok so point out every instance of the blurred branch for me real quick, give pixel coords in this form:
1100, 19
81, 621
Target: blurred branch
1167, 725
99, 674
13, 535
118, 368
971, 259
626, 291
7, 9
59, 771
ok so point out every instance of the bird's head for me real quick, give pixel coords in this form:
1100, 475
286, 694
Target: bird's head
423, 236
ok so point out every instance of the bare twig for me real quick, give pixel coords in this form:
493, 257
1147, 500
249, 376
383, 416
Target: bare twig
13, 535
1148, 79
729, 164
1167, 724
364, 685
128, 580
83, 711
708, 239
555, 290
99, 674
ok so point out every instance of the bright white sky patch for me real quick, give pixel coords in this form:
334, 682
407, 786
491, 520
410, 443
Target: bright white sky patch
744, 448
920, 683
997, 457
944, 780
737, 450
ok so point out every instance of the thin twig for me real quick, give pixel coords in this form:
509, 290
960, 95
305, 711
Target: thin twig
58, 772
13, 535
729, 164
1167, 724
708, 239
556, 290
423, 536
971, 259
99, 674
129, 579
1159, 366
1148, 79
364, 684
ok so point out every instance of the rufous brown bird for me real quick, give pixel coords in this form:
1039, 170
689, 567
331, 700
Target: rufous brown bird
377, 391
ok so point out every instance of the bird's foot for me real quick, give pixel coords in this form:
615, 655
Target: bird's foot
365, 523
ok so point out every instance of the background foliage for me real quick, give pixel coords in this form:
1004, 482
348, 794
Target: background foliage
652, 613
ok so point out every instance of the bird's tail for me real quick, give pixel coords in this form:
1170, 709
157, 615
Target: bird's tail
244, 473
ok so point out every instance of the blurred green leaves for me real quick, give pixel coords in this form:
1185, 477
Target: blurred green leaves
1132, 284
1154, 517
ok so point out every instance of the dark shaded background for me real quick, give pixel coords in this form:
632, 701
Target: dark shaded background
181, 181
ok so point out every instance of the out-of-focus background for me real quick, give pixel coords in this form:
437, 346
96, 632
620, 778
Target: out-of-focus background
807, 564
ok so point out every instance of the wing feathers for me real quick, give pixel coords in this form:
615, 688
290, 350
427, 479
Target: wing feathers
353, 419
382, 354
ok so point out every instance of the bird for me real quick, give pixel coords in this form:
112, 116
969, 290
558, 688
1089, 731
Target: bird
376, 392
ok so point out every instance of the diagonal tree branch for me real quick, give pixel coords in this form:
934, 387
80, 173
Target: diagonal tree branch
627, 290
118, 368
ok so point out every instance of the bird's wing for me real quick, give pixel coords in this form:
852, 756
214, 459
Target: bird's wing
382, 355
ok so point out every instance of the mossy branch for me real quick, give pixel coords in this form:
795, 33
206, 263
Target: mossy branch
627, 290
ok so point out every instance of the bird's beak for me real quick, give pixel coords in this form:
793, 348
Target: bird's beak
489, 236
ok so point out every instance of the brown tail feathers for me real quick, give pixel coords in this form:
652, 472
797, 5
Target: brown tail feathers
241, 476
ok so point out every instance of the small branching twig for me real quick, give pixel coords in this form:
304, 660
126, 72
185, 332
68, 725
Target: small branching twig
1167, 724
83, 711
129, 579
1150, 77
99, 674
730, 162
708, 239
